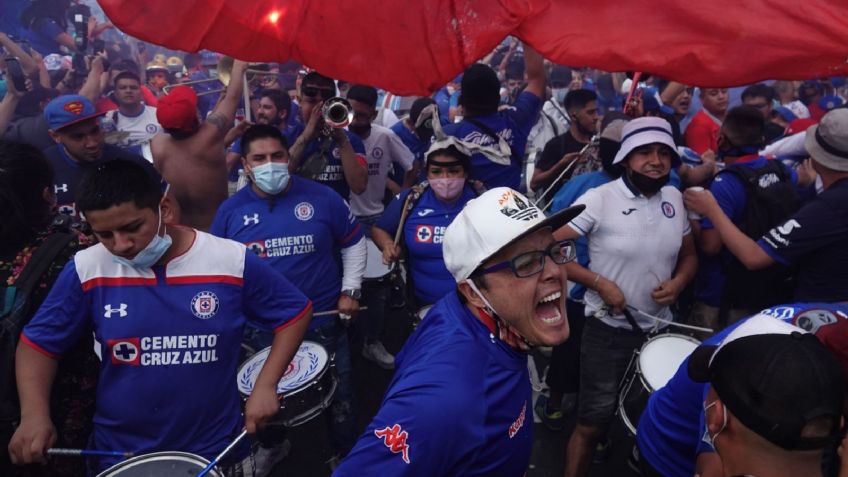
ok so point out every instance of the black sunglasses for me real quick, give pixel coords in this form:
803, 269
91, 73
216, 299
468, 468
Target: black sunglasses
313, 92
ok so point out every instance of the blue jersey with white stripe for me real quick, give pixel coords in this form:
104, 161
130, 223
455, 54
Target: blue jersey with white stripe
459, 405
170, 337
299, 232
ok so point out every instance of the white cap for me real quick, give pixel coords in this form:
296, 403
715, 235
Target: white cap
642, 131
490, 223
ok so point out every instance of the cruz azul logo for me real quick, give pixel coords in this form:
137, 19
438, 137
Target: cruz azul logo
204, 305
164, 350
395, 439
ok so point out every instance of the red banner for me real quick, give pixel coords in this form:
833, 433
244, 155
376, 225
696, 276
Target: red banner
414, 47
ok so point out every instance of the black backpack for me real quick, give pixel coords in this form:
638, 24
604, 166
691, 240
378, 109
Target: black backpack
772, 198
16, 309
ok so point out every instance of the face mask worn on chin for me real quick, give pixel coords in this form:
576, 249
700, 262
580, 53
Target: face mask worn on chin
151, 253
647, 185
447, 188
271, 177
707, 437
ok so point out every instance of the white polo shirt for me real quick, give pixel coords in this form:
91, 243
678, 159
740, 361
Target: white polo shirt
382, 148
633, 241
141, 128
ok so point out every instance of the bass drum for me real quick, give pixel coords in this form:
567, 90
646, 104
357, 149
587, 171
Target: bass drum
650, 369
161, 464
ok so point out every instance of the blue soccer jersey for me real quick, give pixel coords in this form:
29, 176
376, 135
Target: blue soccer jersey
299, 232
671, 429
333, 174
423, 232
458, 405
512, 124
171, 340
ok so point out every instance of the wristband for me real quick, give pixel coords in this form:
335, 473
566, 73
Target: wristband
595, 282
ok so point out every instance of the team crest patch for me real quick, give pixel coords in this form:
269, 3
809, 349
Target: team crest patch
204, 305
424, 234
151, 128
336, 153
812, 320
516, 207
304, 211
395, 439
377, 152
125, 351
67, 209
74, 107
668, 209
256, 247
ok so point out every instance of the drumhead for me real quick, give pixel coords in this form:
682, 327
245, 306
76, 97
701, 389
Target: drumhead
374, 266
662, 355
160, 464
308, 363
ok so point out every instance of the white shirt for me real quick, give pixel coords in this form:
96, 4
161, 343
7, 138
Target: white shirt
382, 148
141, 128
552, 122
633, 241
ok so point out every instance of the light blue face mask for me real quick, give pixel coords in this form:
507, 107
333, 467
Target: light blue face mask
151, 253
3, 88
559, 94
271, 177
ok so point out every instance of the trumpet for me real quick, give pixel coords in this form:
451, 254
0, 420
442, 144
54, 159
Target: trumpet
337, 113
225, 70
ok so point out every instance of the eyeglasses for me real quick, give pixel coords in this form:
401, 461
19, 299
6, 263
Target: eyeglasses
313, 92
530, 263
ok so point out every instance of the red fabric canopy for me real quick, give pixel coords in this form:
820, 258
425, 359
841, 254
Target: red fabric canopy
415, 46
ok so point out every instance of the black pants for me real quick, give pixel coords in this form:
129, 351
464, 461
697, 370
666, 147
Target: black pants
564, 370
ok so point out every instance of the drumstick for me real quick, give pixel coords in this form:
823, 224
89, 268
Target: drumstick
335, 312
61, 452
222, 454
669, 322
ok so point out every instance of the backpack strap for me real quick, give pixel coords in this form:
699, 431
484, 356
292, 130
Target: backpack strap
41, 259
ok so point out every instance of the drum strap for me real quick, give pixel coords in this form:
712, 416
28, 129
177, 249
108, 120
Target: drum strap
632, 321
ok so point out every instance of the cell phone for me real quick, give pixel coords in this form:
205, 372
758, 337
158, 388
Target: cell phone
16, 73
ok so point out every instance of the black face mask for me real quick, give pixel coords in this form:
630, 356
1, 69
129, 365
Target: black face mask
647, 185
607, 149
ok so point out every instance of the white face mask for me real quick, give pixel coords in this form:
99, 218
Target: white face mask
707, 437
559, 94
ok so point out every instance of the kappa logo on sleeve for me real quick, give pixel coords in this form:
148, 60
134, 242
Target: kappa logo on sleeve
519, 423
125, 351
395, 439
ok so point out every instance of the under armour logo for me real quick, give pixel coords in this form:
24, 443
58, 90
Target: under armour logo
628, 211
121, 310
57, 189
249, 220
395, 439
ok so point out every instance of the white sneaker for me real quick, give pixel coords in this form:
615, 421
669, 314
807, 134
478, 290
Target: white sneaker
377, 353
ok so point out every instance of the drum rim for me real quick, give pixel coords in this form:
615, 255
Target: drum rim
656, 338
155, 456
306, 385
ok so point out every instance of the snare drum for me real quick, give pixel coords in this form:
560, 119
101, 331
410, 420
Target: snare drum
650, 369
161, 464
375, 269
308, 385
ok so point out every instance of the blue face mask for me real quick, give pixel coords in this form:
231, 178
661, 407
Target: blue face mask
271, 177
3, 88
151, 253
559, 94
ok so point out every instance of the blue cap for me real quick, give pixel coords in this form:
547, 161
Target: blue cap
837, 81
785, 113
830, 102
67, 110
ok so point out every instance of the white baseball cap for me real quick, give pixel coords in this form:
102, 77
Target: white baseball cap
492, 222
646, 130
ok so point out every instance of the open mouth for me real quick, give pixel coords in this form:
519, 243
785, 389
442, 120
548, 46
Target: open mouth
548, 309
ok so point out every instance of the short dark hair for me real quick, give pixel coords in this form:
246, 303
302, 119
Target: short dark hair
759, 90
451, 151
578, 98
480, 95
745, 126
192, 60
117, 182
364, 94
317, 79
24, 173
126, 75
261, 131
125, 64
281, 99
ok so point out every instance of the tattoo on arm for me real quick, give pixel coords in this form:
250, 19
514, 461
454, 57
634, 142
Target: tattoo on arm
219, 122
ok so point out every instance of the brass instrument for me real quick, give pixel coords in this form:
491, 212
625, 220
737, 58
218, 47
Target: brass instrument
225, 70
337, 113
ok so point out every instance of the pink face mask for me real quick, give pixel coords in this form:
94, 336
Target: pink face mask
447, 188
